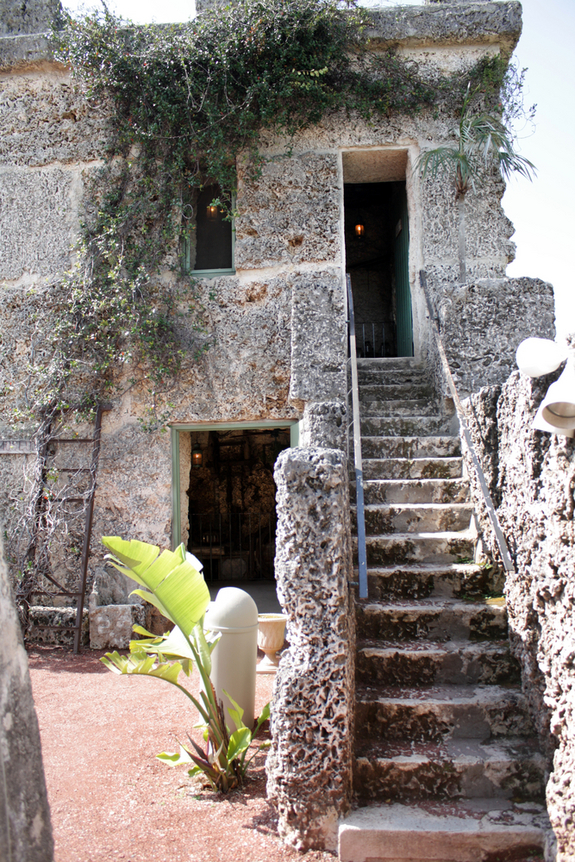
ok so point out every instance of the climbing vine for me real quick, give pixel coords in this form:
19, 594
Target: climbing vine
187, 103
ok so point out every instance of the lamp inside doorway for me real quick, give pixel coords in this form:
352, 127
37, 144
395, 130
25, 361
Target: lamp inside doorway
197, 457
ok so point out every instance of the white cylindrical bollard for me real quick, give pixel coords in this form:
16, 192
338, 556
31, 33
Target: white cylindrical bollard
235, 614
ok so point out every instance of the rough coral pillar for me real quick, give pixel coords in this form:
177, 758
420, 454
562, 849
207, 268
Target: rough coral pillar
25, 830
309, 765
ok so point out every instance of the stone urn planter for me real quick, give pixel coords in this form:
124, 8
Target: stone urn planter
271, 637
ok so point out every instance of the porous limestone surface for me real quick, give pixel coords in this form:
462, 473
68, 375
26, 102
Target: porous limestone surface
38, 225
111, 625
483, 322
472, 22
57, 622
309, 765
325, 425
25, 828
318, 337
290, 214
45, 118
31, 16
533, 476
477, 831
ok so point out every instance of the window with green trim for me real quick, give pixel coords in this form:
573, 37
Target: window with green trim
207, 245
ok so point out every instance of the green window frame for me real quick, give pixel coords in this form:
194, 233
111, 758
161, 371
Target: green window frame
186, 252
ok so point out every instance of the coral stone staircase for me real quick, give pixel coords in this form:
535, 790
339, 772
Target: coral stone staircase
445, 766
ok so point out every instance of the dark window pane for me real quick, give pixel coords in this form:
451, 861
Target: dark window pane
214, 234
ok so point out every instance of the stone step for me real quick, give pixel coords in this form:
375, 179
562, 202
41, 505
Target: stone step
437, 548
478, 830
390, 391
397, 377
399, 407
412, 468
431, 619
382, 518
440, 712
426, 663
418, 581
404, 426
392, 363
453, 769
414, 491
410, 447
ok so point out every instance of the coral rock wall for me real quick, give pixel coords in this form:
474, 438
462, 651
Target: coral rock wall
532, 476
309, 765
25, 829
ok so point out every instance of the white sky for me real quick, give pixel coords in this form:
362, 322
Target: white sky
543, 212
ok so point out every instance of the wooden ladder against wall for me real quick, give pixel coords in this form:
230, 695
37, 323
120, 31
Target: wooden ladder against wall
37, 566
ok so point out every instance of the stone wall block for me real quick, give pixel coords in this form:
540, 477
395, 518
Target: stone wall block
309, 766
325, 425
318, 338
36, 224
25, 828
111, 625
45, 119
33, 16
247, 328
290, 214
483, 322
470, 22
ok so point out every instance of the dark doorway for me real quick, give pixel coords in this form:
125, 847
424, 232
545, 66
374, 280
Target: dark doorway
232, 502
377, 250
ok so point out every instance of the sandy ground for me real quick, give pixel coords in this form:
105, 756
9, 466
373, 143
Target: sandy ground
111, 799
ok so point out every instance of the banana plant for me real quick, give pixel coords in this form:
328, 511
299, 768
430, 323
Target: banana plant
173, 583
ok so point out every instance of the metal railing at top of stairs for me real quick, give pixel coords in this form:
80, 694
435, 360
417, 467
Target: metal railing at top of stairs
462, 416
354, 432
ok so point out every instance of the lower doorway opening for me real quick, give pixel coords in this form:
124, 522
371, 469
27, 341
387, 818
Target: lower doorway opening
231, 502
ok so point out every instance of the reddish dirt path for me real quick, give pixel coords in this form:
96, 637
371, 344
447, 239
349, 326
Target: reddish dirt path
109, 796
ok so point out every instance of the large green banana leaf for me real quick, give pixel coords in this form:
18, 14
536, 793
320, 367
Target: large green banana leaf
172, 583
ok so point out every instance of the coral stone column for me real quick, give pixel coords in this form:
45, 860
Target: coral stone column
25, 828
309, 765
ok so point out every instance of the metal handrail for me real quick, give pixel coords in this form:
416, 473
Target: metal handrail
462, 416
358, 464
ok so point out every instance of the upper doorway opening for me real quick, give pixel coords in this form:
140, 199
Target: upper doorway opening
377, 251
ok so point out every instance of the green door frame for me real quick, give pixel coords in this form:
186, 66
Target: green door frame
175, 430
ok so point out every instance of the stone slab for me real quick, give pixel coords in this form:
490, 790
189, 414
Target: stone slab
464, 832
111, 625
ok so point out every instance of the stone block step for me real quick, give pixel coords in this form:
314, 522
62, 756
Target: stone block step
383, 518
433, 714
453, 769
399, 407
385, 391
420, 581
410, 447
412, 468
392, 363
414, 491
431, 619
426, 663
446, 547
478, 830
405, 426
397, 377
